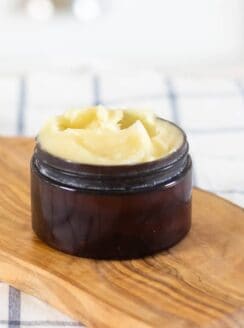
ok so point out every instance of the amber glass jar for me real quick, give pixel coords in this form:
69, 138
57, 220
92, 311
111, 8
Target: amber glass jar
111, 212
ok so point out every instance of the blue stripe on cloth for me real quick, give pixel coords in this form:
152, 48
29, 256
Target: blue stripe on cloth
174, 105
96, 90
239, 86
21, 107
194, 177
172, 96
49, 323
14, 307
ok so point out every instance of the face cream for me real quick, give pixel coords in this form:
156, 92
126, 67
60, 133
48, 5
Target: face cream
109, 137
111, 184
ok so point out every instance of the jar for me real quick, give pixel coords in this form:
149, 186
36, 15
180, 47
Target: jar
111, 212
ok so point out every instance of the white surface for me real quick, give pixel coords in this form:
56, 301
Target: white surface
161, 32
211, 112
9, 94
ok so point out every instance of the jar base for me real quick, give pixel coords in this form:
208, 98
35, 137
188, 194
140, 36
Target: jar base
117, 249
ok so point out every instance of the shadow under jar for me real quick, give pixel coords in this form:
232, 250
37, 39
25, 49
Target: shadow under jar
111, 212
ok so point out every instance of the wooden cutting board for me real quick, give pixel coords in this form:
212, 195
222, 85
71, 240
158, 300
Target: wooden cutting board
198, 283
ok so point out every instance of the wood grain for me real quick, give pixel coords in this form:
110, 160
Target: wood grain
198, 283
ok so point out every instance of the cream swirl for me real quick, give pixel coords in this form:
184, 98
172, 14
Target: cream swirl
101, 136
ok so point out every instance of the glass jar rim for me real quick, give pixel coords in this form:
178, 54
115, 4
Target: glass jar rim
75, 167
115, 178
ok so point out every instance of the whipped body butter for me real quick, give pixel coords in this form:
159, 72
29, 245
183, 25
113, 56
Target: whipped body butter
110, 183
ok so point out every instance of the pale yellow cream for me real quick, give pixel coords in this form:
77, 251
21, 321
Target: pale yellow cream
97, 135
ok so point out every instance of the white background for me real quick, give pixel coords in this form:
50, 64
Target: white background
170, 34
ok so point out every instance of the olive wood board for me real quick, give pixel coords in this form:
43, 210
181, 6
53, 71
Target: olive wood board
197, 283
